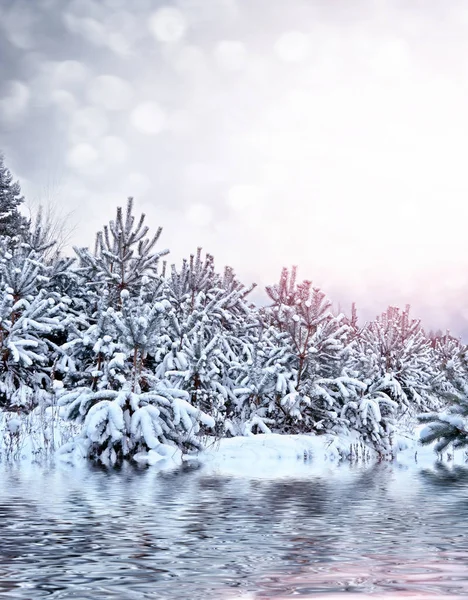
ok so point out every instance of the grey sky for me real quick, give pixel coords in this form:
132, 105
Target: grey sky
332, 135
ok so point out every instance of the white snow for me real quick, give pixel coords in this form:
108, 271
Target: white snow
43, 435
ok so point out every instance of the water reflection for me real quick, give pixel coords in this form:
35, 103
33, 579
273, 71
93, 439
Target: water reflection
133, 533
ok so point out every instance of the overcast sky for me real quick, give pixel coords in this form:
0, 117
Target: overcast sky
328, 134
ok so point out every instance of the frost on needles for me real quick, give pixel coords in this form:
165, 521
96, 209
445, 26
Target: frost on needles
143, 357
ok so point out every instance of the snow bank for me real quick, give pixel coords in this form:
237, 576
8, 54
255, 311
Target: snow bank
44, 434
277, 455
410, 452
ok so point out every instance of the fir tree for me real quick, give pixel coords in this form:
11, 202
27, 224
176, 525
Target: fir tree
209, 314
449, 426
12, 222
145, 361
451, 364
263, 377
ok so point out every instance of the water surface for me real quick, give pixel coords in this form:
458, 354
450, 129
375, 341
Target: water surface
88, 533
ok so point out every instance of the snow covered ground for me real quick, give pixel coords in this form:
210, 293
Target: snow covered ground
274, 455
35, 436
41, 434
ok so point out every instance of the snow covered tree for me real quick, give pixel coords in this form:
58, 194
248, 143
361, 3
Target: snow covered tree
31, 265
126, 409
318, 350
371, 411
57, 273
450, 425
25, 373
86, 357
148, 361
447, 427
12, 222
395, 357
451, 364
119, 425
32, 322
197, 365
263, 376
124, 255
209, 314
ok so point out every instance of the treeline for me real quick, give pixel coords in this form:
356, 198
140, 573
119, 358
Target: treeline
148, 357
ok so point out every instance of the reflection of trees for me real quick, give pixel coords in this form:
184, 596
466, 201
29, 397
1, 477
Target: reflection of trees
445, 478
135, 527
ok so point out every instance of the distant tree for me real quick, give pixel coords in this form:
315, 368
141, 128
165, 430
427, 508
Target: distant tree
50, 213
55, 227
12, 222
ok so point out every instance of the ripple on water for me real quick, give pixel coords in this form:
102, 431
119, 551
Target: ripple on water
133, 533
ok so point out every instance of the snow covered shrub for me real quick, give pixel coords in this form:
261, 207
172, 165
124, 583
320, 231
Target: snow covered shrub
371, 412
34, 435
119, 425
447, 427
125, 408
11, 436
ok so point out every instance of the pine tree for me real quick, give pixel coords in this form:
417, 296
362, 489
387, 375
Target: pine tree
395, 357
319, 354
451, 364
263, 376
124, 255
126, 409
25, 370
209, 313
447, 427
12, 222
146, 362
32, 322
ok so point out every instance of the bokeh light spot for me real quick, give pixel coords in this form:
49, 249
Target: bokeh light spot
148, 118
168, 24
110, 92
230, 55
82, 156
